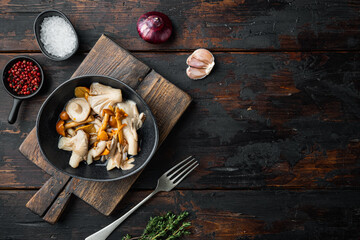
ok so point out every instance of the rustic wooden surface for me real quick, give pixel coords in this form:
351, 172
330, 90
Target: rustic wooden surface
220, 25
275, 126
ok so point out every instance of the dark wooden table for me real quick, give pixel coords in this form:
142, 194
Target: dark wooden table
275, 126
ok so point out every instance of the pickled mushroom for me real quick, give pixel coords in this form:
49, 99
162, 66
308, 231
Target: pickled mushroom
78, 109
78, 145
96, 151
133, 122
102, 97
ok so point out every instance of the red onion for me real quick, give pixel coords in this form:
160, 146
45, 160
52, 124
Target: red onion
154, 27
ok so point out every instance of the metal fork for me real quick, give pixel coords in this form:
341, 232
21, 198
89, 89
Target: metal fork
165, 184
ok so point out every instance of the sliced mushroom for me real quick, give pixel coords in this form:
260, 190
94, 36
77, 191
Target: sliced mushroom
87, 128
102, 135
131, 137
120, 160
75, 124
97, 124
111, 145
133, 123
96, 151
130, 108
78, 109
62, 127
127, 164
119, 116
93, 138
102, 97
115, 160
142, 118
78, 145
114, 156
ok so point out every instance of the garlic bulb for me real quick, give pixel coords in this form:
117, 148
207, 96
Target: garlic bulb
200, 62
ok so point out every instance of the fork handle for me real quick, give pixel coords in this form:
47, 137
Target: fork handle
106, 231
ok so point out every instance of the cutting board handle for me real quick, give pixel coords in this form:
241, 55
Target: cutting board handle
58, 207
42, 200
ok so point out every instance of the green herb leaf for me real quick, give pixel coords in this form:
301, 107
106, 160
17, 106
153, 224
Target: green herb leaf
169, 227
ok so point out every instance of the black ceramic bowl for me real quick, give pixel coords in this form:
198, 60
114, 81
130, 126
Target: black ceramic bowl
48, 137
18, 98
37, 26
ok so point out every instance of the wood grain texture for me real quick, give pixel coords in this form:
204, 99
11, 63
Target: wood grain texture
62, 200
214, 215
217, 25
106, 58
163, 98
103, 59
40, 202
283, 124
287, 120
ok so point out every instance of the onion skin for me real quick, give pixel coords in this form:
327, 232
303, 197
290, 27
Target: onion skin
154, 27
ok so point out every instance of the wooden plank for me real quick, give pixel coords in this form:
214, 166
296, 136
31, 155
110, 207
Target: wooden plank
108, 59
214, 215
284, 120
220, 25
168, 102
41, 201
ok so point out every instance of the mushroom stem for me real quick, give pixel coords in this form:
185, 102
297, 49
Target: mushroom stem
75, 124
119, 116
96, 151
102, 135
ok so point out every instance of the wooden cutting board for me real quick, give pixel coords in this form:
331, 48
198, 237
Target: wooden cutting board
166, 101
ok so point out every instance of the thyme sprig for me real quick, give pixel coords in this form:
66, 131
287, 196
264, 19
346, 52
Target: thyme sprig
167, 227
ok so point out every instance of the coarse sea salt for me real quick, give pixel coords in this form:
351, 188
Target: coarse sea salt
58, 37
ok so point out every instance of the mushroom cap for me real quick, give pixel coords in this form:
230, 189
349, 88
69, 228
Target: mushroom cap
102, 97
78, 109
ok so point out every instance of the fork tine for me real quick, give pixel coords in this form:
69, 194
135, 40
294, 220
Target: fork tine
191, 161
183, 171
177, 181
173, 168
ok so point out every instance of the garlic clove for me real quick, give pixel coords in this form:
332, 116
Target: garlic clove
200, 63
193, 62
202, 55
196, 73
